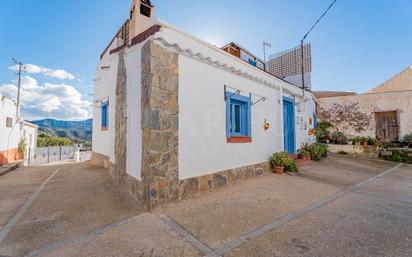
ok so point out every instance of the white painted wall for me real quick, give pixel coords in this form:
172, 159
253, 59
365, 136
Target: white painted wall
10, 137
105, 88
29, 132
134, 128
202, 121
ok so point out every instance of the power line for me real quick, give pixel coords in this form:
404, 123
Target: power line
303, 39
320, 18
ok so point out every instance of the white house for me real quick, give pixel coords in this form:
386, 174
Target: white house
175, 115
12, 129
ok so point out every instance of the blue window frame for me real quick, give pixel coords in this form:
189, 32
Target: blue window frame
238, 115
315, 122
105, 115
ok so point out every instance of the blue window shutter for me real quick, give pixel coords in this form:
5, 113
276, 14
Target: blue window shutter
104, 115
314, 120
249, 118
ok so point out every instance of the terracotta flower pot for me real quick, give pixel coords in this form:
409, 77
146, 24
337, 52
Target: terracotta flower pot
278, 169
365, 143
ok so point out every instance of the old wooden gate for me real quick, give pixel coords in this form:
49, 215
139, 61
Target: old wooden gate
386, 126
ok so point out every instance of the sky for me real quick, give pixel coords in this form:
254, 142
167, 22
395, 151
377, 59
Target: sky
357, 46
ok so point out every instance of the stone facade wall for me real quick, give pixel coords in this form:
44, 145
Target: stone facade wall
216, 180
355, 115
160, 82
160, 125
120, 142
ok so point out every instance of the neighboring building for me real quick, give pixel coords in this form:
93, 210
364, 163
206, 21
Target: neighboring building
385, 112
240, 52
287, 65
175, 115
13, 129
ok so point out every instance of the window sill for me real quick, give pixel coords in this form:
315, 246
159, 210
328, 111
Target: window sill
233, 140
104, 129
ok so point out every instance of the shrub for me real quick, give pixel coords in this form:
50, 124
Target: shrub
283, 159
407, 139
317, 151
322, 131
359, 139
338, 137
373, 141
303, 153
22, 146
45, 140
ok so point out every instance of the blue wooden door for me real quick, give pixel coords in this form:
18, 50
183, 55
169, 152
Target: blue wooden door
289, 125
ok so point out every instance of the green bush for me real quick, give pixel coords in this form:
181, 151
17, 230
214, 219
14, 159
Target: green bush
407, 139
338, 137
45, 140
359, 139
317, 151
303, 153
373, 141
322, 131
283, 159
22, 146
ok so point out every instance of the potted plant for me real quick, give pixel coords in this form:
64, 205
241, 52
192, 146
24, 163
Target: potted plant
338, 137
364, 141
304, 154
281, 162
322, 131
278, 163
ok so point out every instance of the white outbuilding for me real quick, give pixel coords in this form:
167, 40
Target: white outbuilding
175, 115
13, 129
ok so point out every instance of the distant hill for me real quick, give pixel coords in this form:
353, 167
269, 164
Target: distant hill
75, 130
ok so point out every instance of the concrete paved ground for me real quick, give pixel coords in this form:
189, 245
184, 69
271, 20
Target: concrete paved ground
343, 206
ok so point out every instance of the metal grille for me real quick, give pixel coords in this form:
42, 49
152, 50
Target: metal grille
43, 155
289, 62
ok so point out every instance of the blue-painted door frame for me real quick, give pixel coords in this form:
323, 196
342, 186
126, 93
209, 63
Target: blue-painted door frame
289, 134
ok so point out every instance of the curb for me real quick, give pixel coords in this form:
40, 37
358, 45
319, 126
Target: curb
10, 168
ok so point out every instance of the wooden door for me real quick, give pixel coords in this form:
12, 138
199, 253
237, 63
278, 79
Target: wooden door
386, 126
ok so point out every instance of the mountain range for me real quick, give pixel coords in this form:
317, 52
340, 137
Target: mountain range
74, 130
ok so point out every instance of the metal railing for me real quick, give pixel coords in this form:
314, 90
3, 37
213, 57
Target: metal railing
44, 155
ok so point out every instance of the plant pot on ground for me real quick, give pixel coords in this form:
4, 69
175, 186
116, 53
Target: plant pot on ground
303, 154
283, 160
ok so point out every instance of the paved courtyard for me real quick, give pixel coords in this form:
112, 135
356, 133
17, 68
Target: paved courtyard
342, 206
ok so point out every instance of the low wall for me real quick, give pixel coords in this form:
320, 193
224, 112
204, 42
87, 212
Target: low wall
186, 187
9, 156
365, 151
397, 154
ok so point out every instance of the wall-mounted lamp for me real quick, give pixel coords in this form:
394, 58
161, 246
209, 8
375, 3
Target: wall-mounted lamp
266, 125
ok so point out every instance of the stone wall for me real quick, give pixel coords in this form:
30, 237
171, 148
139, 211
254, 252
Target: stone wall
355, 114
160, 125
216, 180
160, 82
120, 122
364, 151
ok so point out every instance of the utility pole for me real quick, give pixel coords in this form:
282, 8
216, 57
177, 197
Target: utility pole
20, 65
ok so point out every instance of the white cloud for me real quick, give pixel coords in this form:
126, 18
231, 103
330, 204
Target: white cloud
60, 101
35, 69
